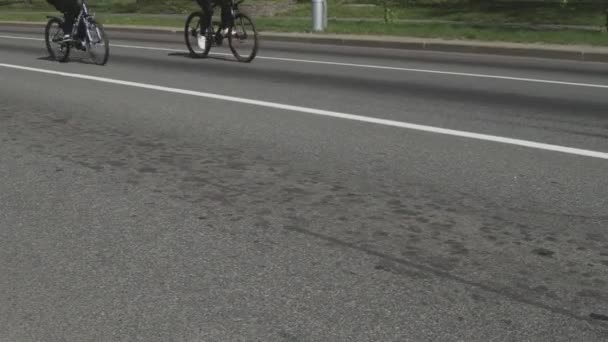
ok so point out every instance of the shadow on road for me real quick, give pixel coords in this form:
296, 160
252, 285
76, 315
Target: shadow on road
187, 55
503, 291
46, 58
77, 59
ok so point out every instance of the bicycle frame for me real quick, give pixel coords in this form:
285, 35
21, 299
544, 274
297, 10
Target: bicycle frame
84, 13
85, 34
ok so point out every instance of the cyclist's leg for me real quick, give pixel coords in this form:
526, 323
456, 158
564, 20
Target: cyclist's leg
70, 11
227, 20
207, 10
82, 27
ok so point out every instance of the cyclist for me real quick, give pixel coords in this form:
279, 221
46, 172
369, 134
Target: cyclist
207, 7
70, 9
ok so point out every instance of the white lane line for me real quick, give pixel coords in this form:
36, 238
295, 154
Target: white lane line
326, 113
20, 38
368, 66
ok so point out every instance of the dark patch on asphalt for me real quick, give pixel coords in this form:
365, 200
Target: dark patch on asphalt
387, 266
506, 321
592, 294
455, 236
116, 163
477, 297
504, 292
599, 317
543, 252
147, 170
381, 268
422, 220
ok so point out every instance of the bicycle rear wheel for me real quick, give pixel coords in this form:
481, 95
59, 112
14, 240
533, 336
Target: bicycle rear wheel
243, 39
53, 37
98, 45
197, 35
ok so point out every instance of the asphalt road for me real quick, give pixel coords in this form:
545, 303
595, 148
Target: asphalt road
134, 214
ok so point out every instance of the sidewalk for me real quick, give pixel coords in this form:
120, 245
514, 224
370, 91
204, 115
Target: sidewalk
567, 52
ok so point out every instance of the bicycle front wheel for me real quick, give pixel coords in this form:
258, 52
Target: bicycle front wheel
97, 42
243, 39
53, 37
198, 39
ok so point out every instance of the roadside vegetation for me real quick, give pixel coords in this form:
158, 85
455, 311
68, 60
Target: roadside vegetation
543, 21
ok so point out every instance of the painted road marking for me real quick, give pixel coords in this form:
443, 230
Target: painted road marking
366, 66
326, 113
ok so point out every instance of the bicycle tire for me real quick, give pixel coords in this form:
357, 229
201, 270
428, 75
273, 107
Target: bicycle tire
103, 39
49, 41
192, 34
233, 36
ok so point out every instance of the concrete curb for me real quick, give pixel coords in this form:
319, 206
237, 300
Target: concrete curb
577, 53
565, 52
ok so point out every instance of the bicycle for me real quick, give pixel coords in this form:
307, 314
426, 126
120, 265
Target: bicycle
92, 37
240, 35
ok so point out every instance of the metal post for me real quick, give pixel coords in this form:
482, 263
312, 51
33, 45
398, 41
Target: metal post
318, 15
324, 14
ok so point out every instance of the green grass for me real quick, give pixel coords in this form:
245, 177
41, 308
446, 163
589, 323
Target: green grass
366, 28
470, 33
105, 18
516, 12
114, 6
553, 14
25, 16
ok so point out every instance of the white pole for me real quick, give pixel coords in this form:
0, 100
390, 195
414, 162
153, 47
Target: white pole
318, 20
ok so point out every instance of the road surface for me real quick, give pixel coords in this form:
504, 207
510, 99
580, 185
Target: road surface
317, 194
